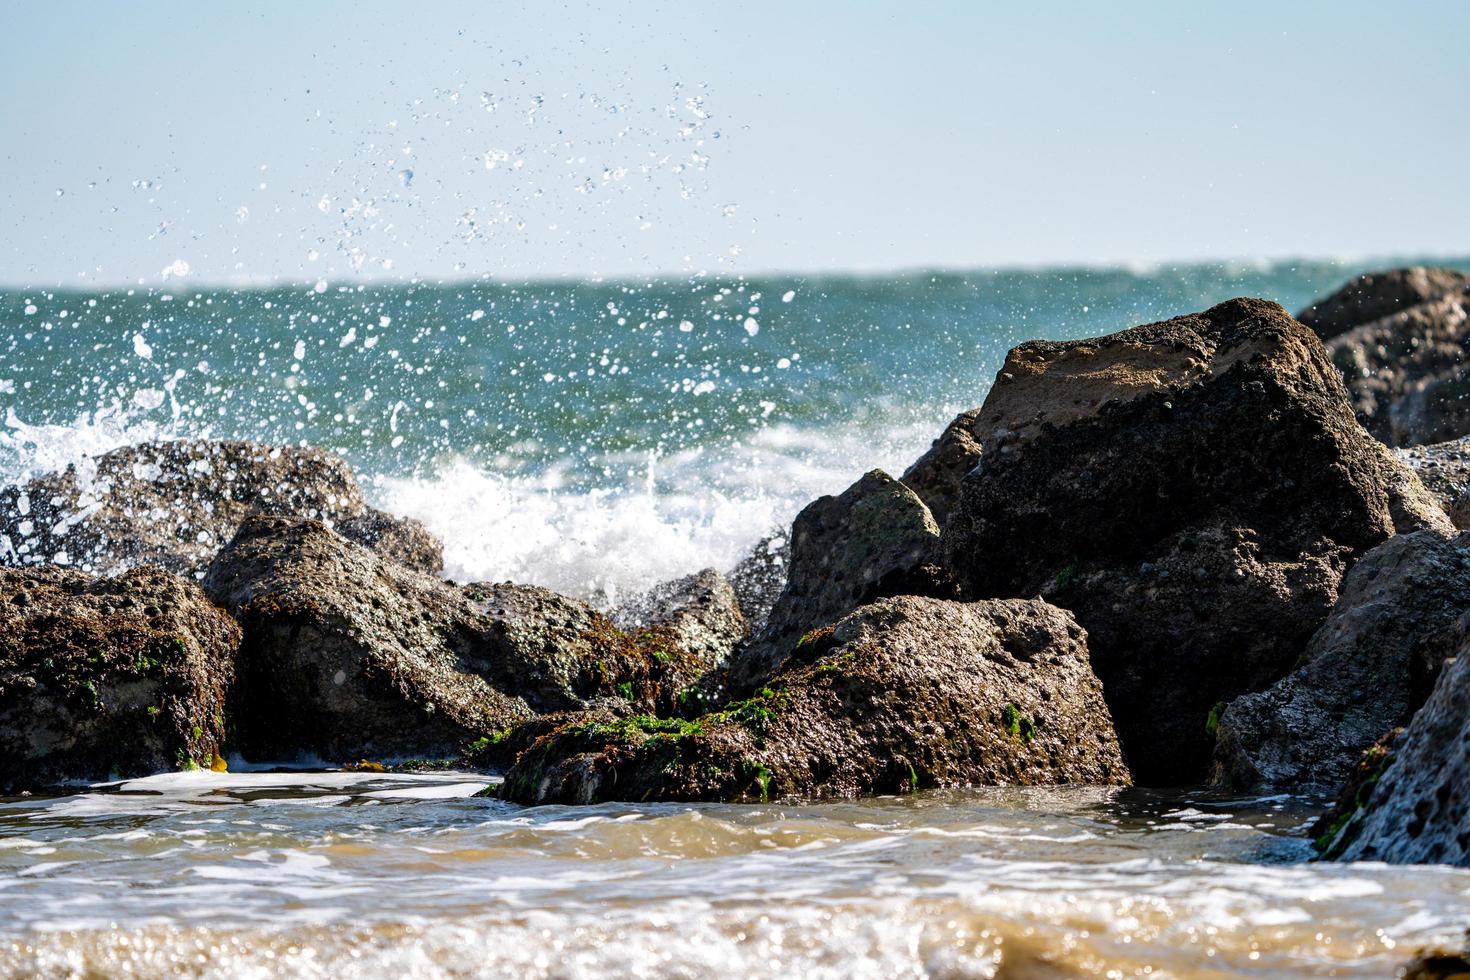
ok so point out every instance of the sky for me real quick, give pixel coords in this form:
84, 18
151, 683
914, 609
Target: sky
336, 141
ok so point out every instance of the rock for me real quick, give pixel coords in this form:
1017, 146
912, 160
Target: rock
1368, 668
108, 678
935, 476
348, 655
875, 539
699, 611
1418, 810
175, 504
1375, 295
1444, 469
1193, 490
760, 576
905, 693
1405, 373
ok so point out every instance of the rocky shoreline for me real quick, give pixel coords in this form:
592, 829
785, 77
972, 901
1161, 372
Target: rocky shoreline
1220, 548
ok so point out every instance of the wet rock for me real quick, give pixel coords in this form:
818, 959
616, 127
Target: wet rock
700, 612
175, 504
1417, 811
903, 694
108, 678
1368, 668
760, 576
1444, 469
1193, 490
348, 655
1405, 373
1375, 295
875, 539
935, 476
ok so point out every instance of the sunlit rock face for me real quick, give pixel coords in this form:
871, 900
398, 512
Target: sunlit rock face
904, 693
1193, 490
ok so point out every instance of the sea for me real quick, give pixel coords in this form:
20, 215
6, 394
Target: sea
598, 438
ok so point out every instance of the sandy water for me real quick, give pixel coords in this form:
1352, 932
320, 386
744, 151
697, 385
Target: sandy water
335, 874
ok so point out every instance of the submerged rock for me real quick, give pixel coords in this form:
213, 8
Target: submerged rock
875, 539
175, 504
348, 655
1375, 295
1366, 671
936, 476
1444, 469
1414, 806
1405, 373
1193, 490
905, 693
109, 678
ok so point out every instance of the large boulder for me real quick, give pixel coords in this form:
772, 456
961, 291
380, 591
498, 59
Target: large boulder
1444, 469
1405, 373
1366, 671
1414, 805
936, 476
109, 678
1375, 295
349, 655
905, 693
875, 539
175, 504
1193, 490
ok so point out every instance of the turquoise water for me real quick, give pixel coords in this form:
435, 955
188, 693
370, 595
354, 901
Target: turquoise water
591, 436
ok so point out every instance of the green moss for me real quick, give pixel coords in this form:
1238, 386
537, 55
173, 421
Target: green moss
196, 732
756, 714
913, 779
1212, 721
477, 746
1066, 577
626, 690
761, 776
1018, 724
692, 699
661, 656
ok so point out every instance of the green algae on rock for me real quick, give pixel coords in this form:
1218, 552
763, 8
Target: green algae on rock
905, 693
109, 678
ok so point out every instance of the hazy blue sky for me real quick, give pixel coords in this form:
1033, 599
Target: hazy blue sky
445, 140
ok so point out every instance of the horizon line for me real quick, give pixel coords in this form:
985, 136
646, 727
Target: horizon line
355, 282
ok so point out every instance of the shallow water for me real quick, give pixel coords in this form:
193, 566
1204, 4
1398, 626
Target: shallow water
346, 874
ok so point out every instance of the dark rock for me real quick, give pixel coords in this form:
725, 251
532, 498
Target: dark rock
760, 576
875, 539
906, 693
1375, 295
1405, 373
108, 678
1368, 668
700, 612
1444, 469
175, 504
1418, 810
935, 476
349, 655
1193, 490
